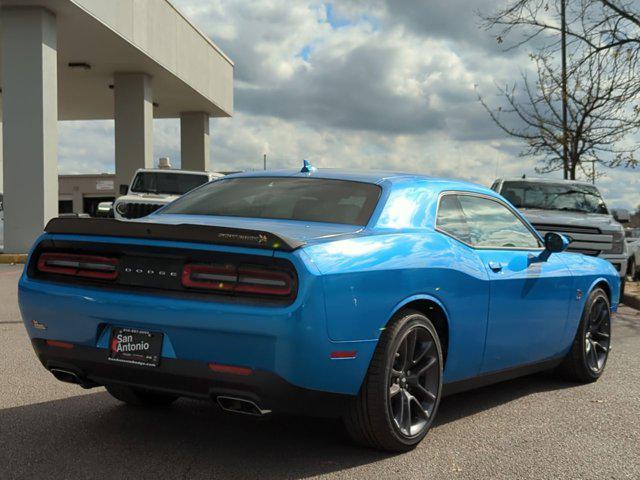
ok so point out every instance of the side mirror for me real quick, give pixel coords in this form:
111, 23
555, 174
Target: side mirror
124, 189
553, 243
621, 215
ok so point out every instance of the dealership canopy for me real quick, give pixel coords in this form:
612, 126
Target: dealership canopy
130, 60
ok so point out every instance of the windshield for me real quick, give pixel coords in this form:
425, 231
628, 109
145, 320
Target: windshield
304, 199
167, 182
554, 196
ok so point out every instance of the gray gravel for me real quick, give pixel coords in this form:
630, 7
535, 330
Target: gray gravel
535, 427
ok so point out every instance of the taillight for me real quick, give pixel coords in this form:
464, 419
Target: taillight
245, 279
210, 277
263, 282
87, 266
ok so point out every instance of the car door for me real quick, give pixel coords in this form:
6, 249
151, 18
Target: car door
529, 299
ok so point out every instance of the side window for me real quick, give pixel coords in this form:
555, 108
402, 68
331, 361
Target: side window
451, 220
491, 224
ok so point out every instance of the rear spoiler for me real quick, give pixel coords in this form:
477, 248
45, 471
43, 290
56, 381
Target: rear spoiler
107, 227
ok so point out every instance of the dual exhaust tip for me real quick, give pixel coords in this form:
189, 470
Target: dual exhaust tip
70, 377
241, 405
227, 403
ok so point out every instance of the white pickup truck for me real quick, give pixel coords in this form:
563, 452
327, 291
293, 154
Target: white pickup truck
151, 189
575, 209
633, 250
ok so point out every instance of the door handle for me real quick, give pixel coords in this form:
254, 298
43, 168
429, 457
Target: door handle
495, 266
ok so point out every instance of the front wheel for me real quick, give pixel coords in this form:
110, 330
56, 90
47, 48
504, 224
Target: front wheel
588, 356
400, 395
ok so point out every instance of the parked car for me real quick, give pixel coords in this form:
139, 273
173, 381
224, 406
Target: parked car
361, 295
105, 210
151, 189
633, 250
575, 209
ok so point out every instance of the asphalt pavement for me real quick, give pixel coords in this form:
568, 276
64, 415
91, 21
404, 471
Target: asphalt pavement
535, 427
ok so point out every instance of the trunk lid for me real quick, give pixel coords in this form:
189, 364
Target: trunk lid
301, 232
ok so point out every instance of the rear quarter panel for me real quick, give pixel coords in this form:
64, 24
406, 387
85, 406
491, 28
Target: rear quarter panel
367, 279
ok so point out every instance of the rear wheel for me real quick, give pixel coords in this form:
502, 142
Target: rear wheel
400, 395
588, 356
139, 397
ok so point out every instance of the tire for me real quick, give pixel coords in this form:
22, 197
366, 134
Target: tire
139, 397
623, 286
391, 393
589, 352
632, 274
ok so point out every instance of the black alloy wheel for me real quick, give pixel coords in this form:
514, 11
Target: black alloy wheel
589, 352
413, 382
399, 397
598, 335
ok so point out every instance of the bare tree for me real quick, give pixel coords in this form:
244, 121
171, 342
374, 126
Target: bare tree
598, 24
602, 83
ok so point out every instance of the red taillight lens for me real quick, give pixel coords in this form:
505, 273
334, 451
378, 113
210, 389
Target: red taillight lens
240, 279
210, 277
263, 282
88, 266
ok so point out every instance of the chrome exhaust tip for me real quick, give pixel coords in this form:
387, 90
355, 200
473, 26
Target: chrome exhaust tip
241, 405
69, 377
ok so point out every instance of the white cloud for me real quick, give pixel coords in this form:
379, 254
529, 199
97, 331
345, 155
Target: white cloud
375, 84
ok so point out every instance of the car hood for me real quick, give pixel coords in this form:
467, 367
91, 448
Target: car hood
302, 231
147, 198
577, 219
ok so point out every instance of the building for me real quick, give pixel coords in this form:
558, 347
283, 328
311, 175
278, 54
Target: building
83, 193
127, 60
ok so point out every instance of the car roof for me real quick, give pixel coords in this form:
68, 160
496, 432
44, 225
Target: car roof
175, 170
366, 176
543, 180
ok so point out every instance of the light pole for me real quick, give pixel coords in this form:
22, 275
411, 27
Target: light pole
565, 128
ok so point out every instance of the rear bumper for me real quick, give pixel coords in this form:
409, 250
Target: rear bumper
191, 379
289, 342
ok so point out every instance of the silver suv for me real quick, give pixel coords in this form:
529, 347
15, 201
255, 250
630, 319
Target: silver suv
575, 209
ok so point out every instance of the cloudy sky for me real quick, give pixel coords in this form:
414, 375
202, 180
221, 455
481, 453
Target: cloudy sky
361, 84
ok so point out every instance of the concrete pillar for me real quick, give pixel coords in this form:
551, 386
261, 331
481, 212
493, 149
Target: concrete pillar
1, 148
194, 141
30, 124
133, 110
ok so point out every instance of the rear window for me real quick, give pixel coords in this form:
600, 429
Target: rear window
167, 182
303, 199
568, 196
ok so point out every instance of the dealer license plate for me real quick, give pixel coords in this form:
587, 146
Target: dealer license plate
137, 347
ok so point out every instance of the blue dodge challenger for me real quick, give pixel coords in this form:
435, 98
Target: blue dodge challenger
363, 295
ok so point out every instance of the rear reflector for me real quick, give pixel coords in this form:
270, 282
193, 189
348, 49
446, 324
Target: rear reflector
343, 354
238, 278
216, 367
88, 266
57, 344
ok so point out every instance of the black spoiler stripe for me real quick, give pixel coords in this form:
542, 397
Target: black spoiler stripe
182, 233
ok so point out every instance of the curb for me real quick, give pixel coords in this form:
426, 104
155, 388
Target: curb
11, 258
632, 301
